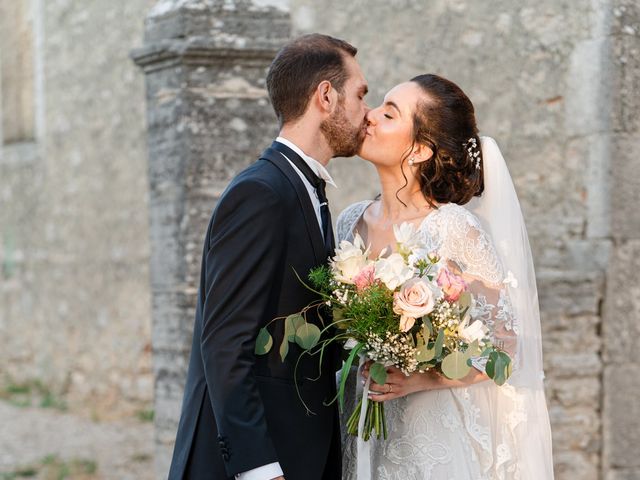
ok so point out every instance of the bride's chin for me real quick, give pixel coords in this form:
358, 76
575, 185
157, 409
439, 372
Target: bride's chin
364, 153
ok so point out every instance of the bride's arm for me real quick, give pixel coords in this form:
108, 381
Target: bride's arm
399, 385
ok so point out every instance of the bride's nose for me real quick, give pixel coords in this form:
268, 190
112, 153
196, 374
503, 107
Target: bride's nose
370, 117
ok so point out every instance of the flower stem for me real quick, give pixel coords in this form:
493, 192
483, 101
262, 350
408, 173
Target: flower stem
374, 420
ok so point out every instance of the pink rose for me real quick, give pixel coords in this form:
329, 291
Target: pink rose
452, 285
365, 278
414, 300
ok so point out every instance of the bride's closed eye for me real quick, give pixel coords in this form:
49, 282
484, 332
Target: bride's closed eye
386, 115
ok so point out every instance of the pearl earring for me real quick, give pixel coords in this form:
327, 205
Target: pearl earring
411, 162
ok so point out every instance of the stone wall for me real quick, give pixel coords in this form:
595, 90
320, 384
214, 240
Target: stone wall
74, 244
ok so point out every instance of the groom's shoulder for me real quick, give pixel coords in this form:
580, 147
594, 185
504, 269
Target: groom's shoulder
260, 171
259, 179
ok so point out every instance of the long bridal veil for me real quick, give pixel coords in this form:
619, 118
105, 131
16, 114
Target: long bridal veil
498, 210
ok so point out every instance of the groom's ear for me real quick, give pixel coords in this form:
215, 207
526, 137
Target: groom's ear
421, 153
326, 96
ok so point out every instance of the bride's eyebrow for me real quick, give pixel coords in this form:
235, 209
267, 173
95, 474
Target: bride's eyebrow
393, 104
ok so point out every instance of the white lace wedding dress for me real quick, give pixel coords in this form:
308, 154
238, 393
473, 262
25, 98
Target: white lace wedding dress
469, 433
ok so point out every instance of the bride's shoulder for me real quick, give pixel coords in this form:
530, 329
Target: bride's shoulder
349, 216
354, 210
454, 215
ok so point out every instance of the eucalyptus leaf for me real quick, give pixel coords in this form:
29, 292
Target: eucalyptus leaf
454, 365
498, 367
264, 342
378, 373
464, 301
425, 354
473, 350
291, 324
427, 327
439, 342
284, 349
307, 335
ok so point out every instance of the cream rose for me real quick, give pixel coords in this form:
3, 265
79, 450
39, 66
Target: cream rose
414, 300
350, 259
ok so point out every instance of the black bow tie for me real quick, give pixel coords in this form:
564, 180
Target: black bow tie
318, 184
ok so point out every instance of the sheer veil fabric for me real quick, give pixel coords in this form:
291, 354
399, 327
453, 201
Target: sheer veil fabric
498, 210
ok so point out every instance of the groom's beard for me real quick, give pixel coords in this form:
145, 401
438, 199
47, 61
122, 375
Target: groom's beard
343, 138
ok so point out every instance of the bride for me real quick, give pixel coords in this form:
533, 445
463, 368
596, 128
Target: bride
454, 186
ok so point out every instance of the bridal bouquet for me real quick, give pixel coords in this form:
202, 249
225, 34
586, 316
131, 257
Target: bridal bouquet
406, 309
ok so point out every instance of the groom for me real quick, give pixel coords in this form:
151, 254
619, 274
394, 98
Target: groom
241, 414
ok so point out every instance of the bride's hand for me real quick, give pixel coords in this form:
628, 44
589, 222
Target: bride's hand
398, 384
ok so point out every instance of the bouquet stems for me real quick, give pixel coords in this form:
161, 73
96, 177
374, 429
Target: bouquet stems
374, 420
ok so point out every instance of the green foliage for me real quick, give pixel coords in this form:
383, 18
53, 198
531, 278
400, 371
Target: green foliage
52, 467
291, 324
378, 373
498, 367
439, 343
264, 342
454, 365
321, 278
346, 367
146, 415
31, 393
307, 335
372, 313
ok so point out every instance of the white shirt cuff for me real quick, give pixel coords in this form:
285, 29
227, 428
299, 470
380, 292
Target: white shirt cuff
266, 472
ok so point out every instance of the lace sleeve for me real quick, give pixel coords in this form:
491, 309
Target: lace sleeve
470, 250
348, 218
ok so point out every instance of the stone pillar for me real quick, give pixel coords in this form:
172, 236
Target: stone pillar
208, 117
621, 319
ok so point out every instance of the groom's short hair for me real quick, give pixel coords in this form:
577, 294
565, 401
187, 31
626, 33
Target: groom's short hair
300, 66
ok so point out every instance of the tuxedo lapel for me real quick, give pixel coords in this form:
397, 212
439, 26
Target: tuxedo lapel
311, 220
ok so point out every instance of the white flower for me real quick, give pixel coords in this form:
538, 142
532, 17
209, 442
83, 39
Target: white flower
418, 254
475, 331
350, 259
393, 271
407, 236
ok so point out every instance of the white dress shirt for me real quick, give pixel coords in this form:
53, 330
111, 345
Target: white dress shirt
273, 470
316, 167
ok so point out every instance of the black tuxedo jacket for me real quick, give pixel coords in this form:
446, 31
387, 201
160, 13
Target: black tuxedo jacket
241, 411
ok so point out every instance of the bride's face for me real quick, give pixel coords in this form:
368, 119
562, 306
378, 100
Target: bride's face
390, 126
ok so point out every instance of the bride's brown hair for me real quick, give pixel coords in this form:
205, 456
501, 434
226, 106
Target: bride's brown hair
445, 122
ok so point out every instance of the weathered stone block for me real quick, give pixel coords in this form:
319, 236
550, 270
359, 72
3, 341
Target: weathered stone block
621, 419
621, 327
623, 474
573, 392
573, 293
625, 182
575, 429
575, 465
